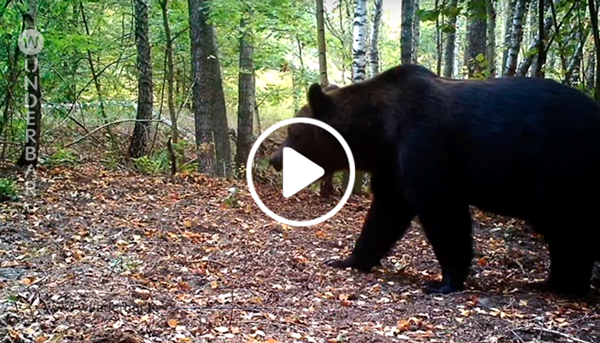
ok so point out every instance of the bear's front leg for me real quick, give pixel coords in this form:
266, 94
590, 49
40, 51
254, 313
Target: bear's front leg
386, 222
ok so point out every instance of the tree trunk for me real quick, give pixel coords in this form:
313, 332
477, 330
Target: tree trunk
509, 12
141, 130
326, 188
204, 138
527, 61
374, 48
516, 37
594, 18
590, 72
246, 95
406, 36
30, 153
211, 77
322, 46
543, 6
359, 62
170, 67
476, 36
450, 40
491, 39
416, 24
575, 60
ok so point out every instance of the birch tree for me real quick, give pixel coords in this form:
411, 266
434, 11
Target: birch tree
516, 37
374, 38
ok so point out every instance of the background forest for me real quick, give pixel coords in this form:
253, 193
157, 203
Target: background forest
133, 234
214, 74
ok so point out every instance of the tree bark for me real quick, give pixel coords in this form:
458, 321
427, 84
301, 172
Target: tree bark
510, 12
204, 138
450, 40
528, 60
516, 37
594, 18
542, 30
374, 39
322, 47
246, 95
141, 130
212, 83
416, 24
326, 188
491, 39
164, 4
476, 36
406, 35
359, 62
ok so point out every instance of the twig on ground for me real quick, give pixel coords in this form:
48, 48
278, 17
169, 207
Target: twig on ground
565, 335
113, 123
517, 336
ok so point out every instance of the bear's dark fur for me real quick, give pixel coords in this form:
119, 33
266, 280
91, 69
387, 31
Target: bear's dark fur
522, 147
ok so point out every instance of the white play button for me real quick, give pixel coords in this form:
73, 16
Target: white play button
298, 172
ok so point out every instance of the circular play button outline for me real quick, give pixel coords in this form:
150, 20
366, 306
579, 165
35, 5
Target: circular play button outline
270, 130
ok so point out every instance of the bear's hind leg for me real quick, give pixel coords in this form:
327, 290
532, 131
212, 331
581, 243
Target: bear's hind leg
448, 230
386, 222
571, 265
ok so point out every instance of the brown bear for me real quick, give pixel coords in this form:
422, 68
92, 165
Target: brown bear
528, 148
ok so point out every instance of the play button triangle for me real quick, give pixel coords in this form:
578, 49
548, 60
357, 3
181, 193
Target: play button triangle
298, 172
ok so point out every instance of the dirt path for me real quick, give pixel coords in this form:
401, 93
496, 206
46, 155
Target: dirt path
116, 257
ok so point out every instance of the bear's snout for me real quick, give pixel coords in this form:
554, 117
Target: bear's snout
276, 160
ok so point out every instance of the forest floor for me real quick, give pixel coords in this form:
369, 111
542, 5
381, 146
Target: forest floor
111, 256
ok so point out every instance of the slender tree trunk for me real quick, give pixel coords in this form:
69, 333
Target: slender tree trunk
204, 138
406, 36
322, 47
543, 6
416, 33
246, 95
575, 60
491, 39
374, 47
516, 37
164, 4
477, 30
359, 62
141, 130
326, 188
450, 40
590, 73
528, 60
30, 153
509, 12
594, 18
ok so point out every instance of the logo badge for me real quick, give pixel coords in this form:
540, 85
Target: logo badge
31, 42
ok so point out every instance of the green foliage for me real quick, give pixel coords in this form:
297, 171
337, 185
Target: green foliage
62, 157
158, 163
8, 189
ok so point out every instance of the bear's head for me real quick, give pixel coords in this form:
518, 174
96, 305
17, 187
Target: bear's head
327, 105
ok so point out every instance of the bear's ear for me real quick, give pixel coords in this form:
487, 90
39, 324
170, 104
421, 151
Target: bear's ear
318, 100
